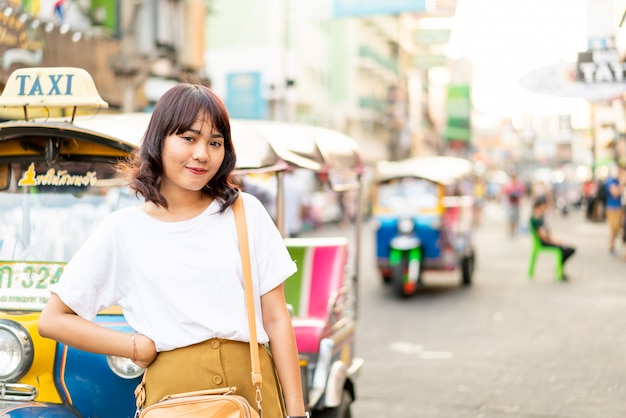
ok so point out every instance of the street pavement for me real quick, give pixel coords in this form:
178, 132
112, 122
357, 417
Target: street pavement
507, 346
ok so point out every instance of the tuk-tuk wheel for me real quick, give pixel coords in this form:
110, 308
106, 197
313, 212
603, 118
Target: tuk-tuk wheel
341, 411
400, 270
467, 270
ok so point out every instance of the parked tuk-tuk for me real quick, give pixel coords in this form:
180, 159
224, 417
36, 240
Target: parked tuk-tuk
323, 293
58, 180
423, 213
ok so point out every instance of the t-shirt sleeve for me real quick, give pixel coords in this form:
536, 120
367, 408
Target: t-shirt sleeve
88, 282
271, 260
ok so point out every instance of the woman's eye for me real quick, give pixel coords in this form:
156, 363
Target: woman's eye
188, 138
216, 144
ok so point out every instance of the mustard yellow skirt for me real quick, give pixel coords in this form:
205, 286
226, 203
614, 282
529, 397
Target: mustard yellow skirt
214, 364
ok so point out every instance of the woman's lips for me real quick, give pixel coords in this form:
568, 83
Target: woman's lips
197, 171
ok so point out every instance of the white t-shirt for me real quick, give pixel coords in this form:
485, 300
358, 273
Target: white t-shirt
178, 283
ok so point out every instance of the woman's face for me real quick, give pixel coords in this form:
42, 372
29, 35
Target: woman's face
191, 159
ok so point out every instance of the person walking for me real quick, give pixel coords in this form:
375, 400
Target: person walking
614, 212
173, 266
513, 192
297, 203
538, 223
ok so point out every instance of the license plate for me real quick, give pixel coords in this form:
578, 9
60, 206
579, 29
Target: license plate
24, 285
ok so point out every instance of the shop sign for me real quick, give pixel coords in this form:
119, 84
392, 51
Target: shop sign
600, 66
459, 109
16, 34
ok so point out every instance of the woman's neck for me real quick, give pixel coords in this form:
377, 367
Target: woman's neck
179, 208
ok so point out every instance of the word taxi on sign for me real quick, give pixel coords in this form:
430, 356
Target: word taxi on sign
51, 87
600, 66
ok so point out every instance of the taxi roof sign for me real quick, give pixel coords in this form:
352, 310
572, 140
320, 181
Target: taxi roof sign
51, 87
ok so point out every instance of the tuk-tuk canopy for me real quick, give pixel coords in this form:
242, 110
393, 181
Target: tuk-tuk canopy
86, 138
260, 145
438, 169
314, 148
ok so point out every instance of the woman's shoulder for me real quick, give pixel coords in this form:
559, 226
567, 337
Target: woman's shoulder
122, 216
251, 201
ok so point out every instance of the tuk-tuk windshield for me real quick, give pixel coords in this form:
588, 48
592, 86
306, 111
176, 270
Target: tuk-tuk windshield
406, 194
46, 213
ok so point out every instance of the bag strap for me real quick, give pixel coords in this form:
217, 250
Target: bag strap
244, 249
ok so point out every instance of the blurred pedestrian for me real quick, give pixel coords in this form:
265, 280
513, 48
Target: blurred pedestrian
624, 222
590, 191
599, 211
297, 203
480, 194
538, 223
614, 212
513, 193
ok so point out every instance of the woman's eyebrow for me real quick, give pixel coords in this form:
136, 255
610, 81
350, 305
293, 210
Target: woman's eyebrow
197, 132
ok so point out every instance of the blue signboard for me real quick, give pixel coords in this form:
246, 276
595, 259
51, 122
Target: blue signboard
244, 98
348, 8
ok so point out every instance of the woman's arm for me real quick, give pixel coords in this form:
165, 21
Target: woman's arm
59, 322
277, 324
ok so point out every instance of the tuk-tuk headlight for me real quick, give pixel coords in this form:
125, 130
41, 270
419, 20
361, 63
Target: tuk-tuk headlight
16, 351
124, 367
406, 226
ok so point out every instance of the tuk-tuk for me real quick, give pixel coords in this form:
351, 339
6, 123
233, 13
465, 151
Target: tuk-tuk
58, 180
323, 293
422, 208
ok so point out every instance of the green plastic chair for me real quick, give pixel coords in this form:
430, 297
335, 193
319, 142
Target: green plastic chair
538, 247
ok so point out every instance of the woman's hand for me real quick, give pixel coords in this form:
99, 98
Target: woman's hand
144, 351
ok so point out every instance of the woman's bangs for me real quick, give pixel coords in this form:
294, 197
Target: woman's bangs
188, 114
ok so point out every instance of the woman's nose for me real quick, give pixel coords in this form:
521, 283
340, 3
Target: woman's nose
199, 152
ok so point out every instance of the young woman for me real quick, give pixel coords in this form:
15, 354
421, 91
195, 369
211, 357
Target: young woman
173, 266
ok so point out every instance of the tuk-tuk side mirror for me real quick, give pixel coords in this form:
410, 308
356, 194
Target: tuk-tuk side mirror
5, 176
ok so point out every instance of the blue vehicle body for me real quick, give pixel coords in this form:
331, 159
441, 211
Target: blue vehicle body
424, 231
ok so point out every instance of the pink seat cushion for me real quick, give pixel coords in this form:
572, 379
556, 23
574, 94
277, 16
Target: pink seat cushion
308, 333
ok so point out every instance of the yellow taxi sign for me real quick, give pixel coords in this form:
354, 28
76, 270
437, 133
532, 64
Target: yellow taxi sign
51, 87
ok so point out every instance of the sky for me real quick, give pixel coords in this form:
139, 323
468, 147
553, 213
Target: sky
506, 39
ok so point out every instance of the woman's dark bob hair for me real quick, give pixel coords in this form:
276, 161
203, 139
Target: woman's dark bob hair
175, 112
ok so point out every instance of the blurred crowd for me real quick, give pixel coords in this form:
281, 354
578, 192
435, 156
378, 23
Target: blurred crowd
309, 204
601, 200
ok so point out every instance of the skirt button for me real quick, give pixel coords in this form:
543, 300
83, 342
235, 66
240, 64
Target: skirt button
217, 380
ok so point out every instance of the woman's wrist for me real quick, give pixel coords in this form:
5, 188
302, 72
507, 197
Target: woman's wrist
134, 352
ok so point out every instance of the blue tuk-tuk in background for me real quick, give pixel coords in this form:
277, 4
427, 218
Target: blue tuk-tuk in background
58, 180
423, 216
